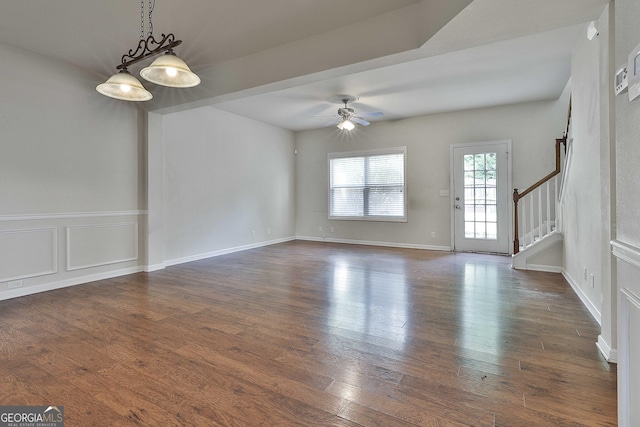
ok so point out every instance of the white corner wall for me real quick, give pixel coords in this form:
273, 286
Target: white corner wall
586, 215
627, 246
532, 127
70, 177
227, 184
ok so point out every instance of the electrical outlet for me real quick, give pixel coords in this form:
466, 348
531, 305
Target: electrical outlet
253, 233
593, 281
433, 234
15, 284
269, 231
333, 230
320, 229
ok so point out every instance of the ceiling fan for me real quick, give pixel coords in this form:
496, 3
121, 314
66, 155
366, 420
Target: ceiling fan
347, 117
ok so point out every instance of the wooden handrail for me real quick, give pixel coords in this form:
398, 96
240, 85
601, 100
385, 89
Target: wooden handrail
517, 196
549, 176
566, 131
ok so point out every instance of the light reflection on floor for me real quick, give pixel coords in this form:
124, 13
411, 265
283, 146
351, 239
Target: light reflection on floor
369, 300
480, 308
375, 298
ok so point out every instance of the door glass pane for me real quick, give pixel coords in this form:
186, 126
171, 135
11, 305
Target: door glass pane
480, 204
469, 230
491, 178
492, 215
468, 179
469, 196
491, 195
479, 162
491, 161
492, 230
468, 162
469, 213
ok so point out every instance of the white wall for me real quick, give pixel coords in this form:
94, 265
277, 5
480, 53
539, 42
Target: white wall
70, 173
533, 128
228, 184
627, 246
586, 192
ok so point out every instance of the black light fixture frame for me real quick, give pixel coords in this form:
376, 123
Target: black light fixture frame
146, 49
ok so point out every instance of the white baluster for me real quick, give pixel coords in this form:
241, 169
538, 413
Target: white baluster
524, 222
548, 230
539, 190
531, 213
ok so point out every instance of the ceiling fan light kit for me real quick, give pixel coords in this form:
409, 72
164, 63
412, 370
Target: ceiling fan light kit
347, 117
346, 125
167, 70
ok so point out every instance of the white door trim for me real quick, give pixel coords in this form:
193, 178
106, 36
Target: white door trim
509, 186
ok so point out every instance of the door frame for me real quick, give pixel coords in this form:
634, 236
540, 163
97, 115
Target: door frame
509, 187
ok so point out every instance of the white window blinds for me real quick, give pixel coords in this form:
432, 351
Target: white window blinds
368, 185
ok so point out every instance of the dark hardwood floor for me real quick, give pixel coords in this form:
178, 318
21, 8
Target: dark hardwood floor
312, 334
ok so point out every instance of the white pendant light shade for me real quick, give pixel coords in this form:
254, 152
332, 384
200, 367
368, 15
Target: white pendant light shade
169, 70
124, 86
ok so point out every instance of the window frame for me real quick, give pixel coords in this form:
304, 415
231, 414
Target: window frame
363, 154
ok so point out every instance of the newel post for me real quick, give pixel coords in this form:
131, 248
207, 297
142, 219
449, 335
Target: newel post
516, 240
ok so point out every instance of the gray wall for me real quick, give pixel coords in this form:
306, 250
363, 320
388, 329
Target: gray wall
71, 175
228, 184
532, 127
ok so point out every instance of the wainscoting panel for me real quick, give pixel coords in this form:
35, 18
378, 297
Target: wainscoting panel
28, 253
628, 256
101, 244
629, 354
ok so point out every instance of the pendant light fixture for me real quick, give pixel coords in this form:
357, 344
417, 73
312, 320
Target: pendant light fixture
167, 70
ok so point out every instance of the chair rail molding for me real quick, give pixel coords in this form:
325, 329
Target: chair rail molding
626, 252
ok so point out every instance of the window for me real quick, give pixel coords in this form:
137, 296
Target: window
369, 186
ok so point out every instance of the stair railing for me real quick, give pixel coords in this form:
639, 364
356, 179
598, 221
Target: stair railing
539, 213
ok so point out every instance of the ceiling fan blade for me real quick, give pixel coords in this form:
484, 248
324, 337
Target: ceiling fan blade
371, 114
360, 121
333, 122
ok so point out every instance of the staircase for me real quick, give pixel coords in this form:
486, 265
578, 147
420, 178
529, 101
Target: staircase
537, 243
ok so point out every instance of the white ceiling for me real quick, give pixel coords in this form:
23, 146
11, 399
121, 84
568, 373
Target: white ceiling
285, 62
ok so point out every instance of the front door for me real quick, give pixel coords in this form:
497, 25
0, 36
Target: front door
481, 188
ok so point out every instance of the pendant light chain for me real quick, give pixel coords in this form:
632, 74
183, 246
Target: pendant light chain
152, 4
141, 19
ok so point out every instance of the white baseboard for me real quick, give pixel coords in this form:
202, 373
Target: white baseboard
154, 267
205, 255
545, 268
30, 290
583, 297
609, 353
375, 243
